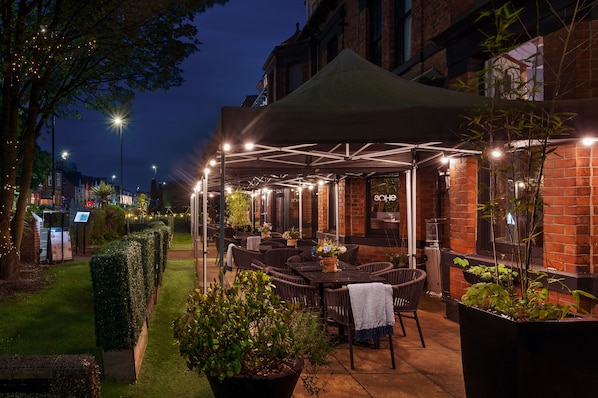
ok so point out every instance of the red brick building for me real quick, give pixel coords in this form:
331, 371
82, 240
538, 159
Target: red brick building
438, 43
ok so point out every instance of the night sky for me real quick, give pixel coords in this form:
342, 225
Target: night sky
169, 129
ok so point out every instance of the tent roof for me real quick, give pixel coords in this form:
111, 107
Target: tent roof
353, 100
351, 117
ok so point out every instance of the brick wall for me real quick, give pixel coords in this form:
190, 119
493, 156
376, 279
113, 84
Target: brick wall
569, 208
355, 200
323, 207
30, 246
463, 202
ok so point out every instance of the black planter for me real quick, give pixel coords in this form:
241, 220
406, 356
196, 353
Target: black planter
503, 358
276, 386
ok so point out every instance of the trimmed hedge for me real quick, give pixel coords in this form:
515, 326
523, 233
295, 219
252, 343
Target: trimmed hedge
119, 295
124, 276
147, 240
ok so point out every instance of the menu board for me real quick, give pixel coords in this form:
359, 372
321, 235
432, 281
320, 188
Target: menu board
60, 242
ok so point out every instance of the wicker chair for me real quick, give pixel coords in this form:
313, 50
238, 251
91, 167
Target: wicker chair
290, 277
227, 241
302, 257
243, 258
407, 287
287, 271
337, 303
278, 257
304, 295
257, 265
376, 267
350, 256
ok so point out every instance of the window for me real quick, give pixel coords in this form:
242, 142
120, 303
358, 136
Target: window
295, 76
331, 49
514, 183
523, 64
384, 203
376, 32
402, 31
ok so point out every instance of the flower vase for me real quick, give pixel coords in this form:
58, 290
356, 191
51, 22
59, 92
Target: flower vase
329, 264
266, 234
292, 242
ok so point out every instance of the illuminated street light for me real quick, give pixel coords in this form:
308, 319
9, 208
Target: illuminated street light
118, 122
155, 171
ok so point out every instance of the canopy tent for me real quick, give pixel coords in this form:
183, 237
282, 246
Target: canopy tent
352, 117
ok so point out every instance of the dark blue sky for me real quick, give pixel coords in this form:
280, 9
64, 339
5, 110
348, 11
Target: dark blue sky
169, 128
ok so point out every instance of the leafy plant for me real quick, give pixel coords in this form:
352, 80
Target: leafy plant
292, 233
398, 259
238, 205
328, 249
514, 136
246, 329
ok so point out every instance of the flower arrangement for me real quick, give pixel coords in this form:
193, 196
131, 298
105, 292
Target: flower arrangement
265, 227
292, 233
328, 249
398, 259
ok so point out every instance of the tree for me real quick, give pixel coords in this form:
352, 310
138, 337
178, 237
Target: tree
103, 193
58, 53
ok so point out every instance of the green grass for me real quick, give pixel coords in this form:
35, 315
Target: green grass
181, 242
57, 320
60, 320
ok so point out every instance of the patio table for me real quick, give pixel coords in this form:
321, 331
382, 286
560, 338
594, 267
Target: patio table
347, 274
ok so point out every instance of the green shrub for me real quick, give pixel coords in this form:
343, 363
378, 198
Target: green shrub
147, 241
119, 294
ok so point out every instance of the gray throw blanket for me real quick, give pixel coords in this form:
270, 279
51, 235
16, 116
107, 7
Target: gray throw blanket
373, 311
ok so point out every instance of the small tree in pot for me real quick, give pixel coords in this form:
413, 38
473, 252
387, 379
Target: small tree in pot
244, 333
510, 354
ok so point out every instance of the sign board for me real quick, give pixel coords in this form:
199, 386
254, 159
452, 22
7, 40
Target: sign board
81, 216
60, 243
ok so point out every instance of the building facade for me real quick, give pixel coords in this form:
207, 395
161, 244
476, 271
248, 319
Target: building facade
439, 43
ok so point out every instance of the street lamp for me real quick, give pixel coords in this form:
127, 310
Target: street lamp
155, 171
118, 122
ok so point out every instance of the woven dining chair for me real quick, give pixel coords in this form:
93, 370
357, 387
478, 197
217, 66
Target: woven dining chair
304, 295
278, 257
243, 258
337, 303
350, 256
287, 276
407, 287
376, 267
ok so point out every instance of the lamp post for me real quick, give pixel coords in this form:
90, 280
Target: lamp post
155, 171
118, 122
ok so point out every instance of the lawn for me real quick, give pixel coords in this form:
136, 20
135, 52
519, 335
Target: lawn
59, 320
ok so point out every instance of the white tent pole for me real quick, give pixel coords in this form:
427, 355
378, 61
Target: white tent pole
336, 217
252, 211
193, 226
300, 189
205, 231
413, 259
409, 213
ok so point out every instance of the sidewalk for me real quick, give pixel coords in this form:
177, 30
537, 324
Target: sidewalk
434, 371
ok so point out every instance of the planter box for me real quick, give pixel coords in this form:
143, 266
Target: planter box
503, 358
125, 364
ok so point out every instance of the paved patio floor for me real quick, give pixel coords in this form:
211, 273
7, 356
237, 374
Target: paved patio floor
431, 372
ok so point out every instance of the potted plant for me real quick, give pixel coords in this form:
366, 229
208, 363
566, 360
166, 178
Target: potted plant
247, 342
238, 205
291, 235
514, 334
399, 260
328, 253
265, 229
